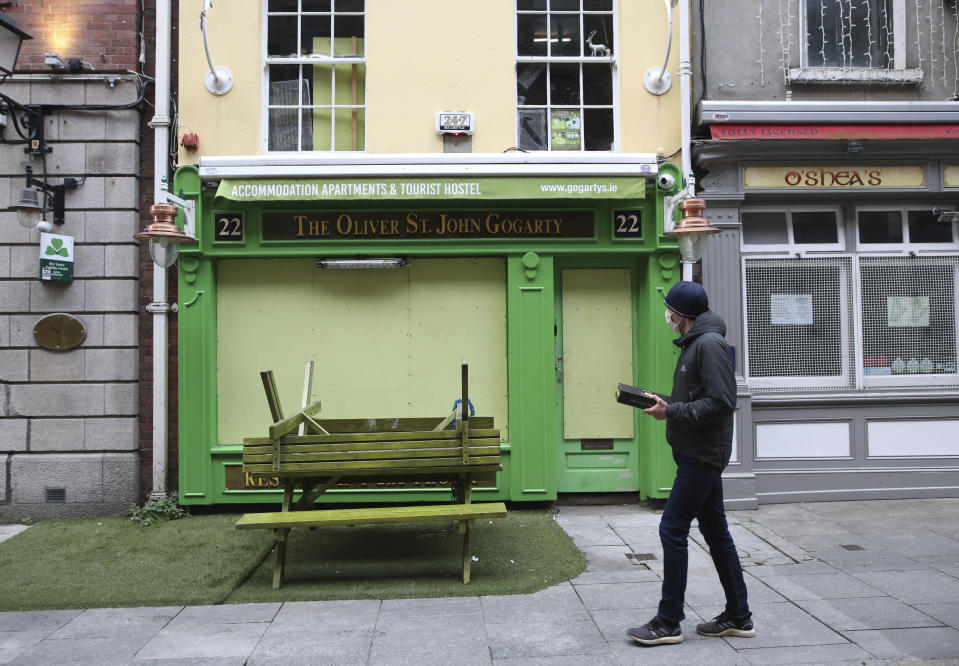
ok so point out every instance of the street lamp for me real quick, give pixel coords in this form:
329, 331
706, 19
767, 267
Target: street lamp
164, 236
11, 37
691, 230
29, 209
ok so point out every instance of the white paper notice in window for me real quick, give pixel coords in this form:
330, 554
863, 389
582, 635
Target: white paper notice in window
907, 311
790, 309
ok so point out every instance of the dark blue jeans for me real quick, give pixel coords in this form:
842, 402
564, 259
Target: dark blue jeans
697, 493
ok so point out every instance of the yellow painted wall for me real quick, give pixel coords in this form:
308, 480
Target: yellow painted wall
227, 124
647, 122
423, 56
426, 56
386, 343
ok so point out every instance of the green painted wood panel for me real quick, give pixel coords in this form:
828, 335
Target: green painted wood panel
532, 378
385, 342
264, 322
597, 352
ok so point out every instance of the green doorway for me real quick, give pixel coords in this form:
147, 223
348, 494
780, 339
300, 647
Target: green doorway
595, 349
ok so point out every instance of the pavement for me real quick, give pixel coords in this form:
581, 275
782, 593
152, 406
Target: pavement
870, 582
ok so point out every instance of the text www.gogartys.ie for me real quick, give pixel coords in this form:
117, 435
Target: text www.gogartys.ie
578, 188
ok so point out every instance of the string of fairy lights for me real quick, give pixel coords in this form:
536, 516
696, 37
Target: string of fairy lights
861, 34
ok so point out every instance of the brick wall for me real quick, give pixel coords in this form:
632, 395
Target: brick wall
103, 33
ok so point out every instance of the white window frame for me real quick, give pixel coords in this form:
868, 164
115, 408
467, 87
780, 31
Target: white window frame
790, 246
895, 74
293, 60
840, 381
903, 380
905, 246
589, 60
852, 347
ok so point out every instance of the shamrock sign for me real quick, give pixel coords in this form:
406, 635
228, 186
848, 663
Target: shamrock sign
56, 257
56, 247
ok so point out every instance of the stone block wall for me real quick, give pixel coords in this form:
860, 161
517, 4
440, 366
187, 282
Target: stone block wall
69, 427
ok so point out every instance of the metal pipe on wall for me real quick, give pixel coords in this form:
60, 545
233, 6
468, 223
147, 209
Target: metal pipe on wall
159, 307
685, 120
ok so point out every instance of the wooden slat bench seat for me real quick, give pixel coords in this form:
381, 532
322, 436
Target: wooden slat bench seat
332, 451
371, 515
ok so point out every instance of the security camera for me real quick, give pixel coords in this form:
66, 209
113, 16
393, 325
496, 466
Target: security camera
44, 226
665, 181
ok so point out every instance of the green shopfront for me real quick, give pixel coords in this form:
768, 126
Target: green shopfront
548, 276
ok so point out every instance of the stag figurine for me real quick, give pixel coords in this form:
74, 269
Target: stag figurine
596, 49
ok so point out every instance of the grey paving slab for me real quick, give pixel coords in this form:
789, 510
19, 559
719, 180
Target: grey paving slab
792, 529
859, 614
607, 558
925, 643
328, 615
541, 638
557, 604
784, 549
104, 622
808, 654
461, 656
853, 562
945, 613
707, 652
640, 538
823, 586
946, 564
916, 543
600, 659
309, 645
426, 607
640, 518
15, 643
9, 531
811, 568
424, 632
208, 661
107, 650
780, 625
226, 614
36, 620
203, 641
635, 574
605, 596
817, 543
919, 587
592, 535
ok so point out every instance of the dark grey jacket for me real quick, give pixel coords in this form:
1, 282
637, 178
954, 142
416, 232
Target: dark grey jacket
699, 416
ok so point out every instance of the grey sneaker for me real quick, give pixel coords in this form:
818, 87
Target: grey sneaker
656, 632
724, 625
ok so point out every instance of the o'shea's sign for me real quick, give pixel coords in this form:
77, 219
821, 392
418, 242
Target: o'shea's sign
833, 177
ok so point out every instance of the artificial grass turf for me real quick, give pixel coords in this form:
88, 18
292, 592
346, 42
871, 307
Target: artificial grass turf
113, 562
522, 553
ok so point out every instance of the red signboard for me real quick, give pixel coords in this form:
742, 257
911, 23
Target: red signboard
742, 131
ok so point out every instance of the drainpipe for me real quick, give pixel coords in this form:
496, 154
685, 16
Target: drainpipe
159, 308
685, 120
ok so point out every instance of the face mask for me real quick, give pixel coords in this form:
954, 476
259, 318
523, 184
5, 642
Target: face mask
673, 325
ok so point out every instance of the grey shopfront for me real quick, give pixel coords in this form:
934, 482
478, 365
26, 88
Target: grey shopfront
836, 271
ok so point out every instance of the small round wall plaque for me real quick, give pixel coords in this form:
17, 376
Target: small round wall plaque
59, 331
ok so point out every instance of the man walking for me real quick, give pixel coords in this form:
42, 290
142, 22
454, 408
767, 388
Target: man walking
699, 428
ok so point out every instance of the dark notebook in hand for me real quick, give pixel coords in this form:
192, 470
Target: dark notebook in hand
636, 397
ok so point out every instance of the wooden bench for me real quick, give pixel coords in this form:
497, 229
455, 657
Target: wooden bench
327, 452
